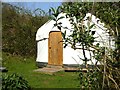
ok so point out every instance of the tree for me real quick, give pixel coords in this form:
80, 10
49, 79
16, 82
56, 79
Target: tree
19, 28
83, 36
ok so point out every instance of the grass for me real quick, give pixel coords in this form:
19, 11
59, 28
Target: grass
25, 67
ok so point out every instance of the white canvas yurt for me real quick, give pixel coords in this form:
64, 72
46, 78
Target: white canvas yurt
70, 56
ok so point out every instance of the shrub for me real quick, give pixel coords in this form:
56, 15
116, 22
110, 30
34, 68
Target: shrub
90, 80
18, 32
14, 82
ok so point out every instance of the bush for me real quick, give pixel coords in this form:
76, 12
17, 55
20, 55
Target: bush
18, 32
14, 82
91, 80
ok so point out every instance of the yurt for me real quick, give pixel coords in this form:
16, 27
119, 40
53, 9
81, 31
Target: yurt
50, 44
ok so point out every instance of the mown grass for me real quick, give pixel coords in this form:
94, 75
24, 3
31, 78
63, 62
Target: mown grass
26, 66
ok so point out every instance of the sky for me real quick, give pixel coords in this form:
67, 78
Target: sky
34, 5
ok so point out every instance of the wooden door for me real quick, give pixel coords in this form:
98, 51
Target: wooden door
55, 48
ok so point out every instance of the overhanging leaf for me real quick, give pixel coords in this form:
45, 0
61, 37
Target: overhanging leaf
53, 10
59, 27
92, 26
60, 18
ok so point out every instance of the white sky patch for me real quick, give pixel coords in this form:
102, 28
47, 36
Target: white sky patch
32, 0
60, 0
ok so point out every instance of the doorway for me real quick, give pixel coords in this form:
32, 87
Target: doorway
55, 48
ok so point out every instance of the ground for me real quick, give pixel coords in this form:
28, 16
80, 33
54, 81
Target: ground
25, 66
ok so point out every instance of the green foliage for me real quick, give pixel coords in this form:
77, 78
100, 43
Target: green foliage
109, 58
111, 18
55, 17
90, 80
14, 82
19, 27
111, 15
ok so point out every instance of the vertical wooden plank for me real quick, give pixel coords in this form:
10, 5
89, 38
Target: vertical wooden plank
55, 48
49, 48
60, 49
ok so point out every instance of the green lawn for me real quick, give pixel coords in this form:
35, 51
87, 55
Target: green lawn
25, 67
